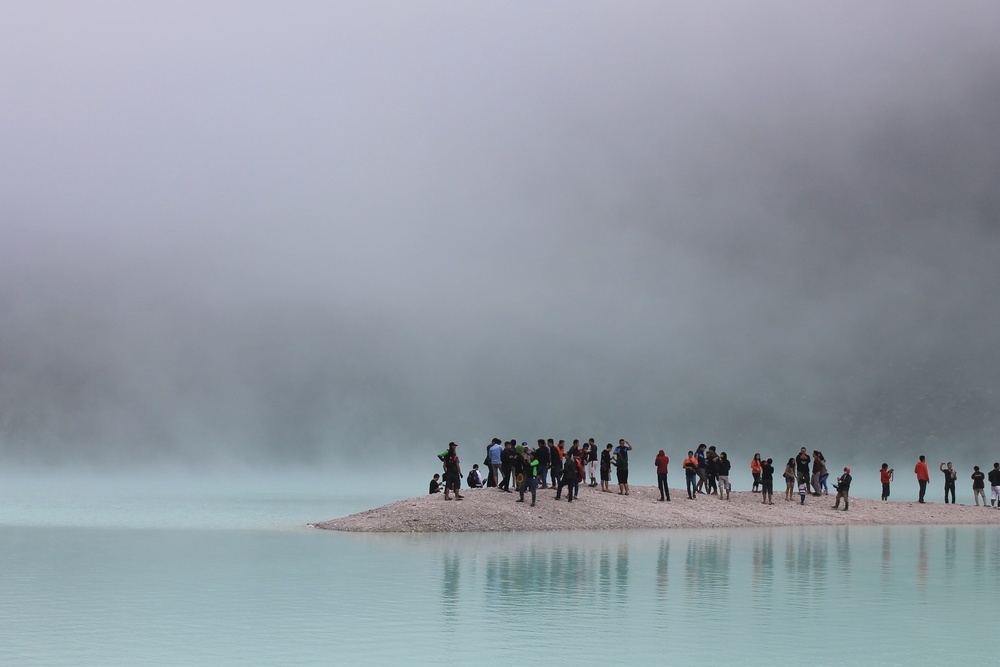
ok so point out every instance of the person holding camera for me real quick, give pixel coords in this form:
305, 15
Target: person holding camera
886, 475
843, 488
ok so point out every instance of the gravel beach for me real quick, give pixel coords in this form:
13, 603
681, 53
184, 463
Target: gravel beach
489, 510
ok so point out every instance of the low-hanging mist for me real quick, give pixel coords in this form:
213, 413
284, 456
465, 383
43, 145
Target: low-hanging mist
300, 235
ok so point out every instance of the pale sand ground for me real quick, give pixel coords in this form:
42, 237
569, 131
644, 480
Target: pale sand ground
489, 510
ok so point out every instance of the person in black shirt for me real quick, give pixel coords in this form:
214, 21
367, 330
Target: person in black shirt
995, 483
452, 472
435, 485
950, 475
506, 465
978, 483
802, 462
843, 487
542, 456
767, 481
606, 469
722, 467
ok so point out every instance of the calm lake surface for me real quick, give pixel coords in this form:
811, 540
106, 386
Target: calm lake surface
175, 571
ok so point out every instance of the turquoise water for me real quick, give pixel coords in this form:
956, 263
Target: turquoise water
197, 572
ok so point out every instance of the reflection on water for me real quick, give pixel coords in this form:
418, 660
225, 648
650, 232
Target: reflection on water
885, 596
869, 585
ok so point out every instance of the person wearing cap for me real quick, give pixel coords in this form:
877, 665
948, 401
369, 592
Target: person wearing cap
843, 487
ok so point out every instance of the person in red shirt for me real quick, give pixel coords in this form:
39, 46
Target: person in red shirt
923, 476
886, 475
661, 462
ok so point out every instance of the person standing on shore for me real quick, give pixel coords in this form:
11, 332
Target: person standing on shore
950, 475
819, 470
923, 476
542, 456
699, 455
802, 462
712, 471
568, 478
995, 485
723, 466
886, 476
978, 484
556, 455
767, 482
621, 463
606, 469
592, 462
530, 478
506, 466
493, 451
789, 476
691, 475
843, 487
755, 465
452, 472
662, 461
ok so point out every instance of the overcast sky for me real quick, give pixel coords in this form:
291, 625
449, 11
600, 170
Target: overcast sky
279, 232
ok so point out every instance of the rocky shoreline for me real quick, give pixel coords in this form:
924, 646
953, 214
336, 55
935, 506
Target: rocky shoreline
489, 510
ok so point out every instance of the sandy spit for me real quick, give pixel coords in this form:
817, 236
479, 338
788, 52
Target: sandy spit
489, 510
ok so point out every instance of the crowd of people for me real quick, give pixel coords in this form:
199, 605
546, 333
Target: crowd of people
552, 464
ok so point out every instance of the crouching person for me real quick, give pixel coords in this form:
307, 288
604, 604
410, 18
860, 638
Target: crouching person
843, 487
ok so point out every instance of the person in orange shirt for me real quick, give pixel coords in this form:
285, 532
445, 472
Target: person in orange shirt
691, 475
923, 476
755, 467
886, 475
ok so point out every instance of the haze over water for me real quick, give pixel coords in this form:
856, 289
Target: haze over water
209, 577
239, 240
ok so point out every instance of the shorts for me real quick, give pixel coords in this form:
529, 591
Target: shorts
623, 476
996, 493
767, 486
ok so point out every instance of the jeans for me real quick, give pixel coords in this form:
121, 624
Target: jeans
949, 487
690, 482
923, 489
543, 472
661, 481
